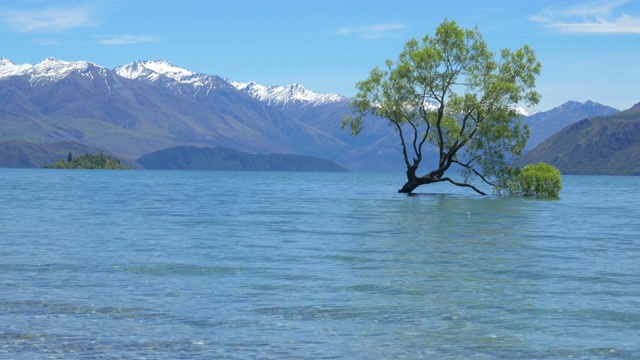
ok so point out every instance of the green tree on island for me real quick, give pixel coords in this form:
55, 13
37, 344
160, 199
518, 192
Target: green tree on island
89, 161
450, 91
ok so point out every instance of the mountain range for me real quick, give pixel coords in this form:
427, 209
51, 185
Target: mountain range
146, 106
605, 145
544, 124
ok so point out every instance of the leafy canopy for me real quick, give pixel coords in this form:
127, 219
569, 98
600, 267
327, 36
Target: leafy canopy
541, 180
449, 92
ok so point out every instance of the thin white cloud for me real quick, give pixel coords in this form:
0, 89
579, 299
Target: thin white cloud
128, 39
50, 42
49, 20
372, 31
595, 17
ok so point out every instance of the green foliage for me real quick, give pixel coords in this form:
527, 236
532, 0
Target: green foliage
450, 91
58, 164
541, 180
89, 161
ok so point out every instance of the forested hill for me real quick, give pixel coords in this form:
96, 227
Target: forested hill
219, 158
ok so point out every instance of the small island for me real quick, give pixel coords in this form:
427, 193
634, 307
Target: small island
88, 161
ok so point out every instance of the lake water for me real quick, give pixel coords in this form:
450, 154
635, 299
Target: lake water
250, 265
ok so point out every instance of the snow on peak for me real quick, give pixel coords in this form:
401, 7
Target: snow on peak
7, 68
166, 68
56, 69
51, 68
283, 95
153, 70
522, 111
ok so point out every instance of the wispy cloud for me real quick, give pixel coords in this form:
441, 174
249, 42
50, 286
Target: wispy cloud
594, 17
50, 42
127, 39
49, 20
372, 31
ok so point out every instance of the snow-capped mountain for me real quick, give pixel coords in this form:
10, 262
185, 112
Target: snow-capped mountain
143, 107
177, 79
49, 69
286, 95
524, 112
152, 70
150, 105
170, 75
7, 68
155, 70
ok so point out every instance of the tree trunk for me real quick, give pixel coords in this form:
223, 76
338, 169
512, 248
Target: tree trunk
408, 187
414, 181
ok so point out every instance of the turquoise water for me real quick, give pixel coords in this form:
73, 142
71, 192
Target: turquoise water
206, 265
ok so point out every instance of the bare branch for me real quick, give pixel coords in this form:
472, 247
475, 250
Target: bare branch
404, 147
482, 177
464, 185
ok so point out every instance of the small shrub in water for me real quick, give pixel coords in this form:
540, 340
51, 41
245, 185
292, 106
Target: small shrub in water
541, 180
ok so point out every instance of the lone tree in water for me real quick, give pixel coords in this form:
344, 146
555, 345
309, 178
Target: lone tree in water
450, 91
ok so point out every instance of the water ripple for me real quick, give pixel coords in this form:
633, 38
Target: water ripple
168, 265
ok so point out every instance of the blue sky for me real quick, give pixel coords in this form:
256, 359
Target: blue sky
590, 50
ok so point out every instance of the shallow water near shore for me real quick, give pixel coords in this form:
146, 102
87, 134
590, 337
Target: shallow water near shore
201, 265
